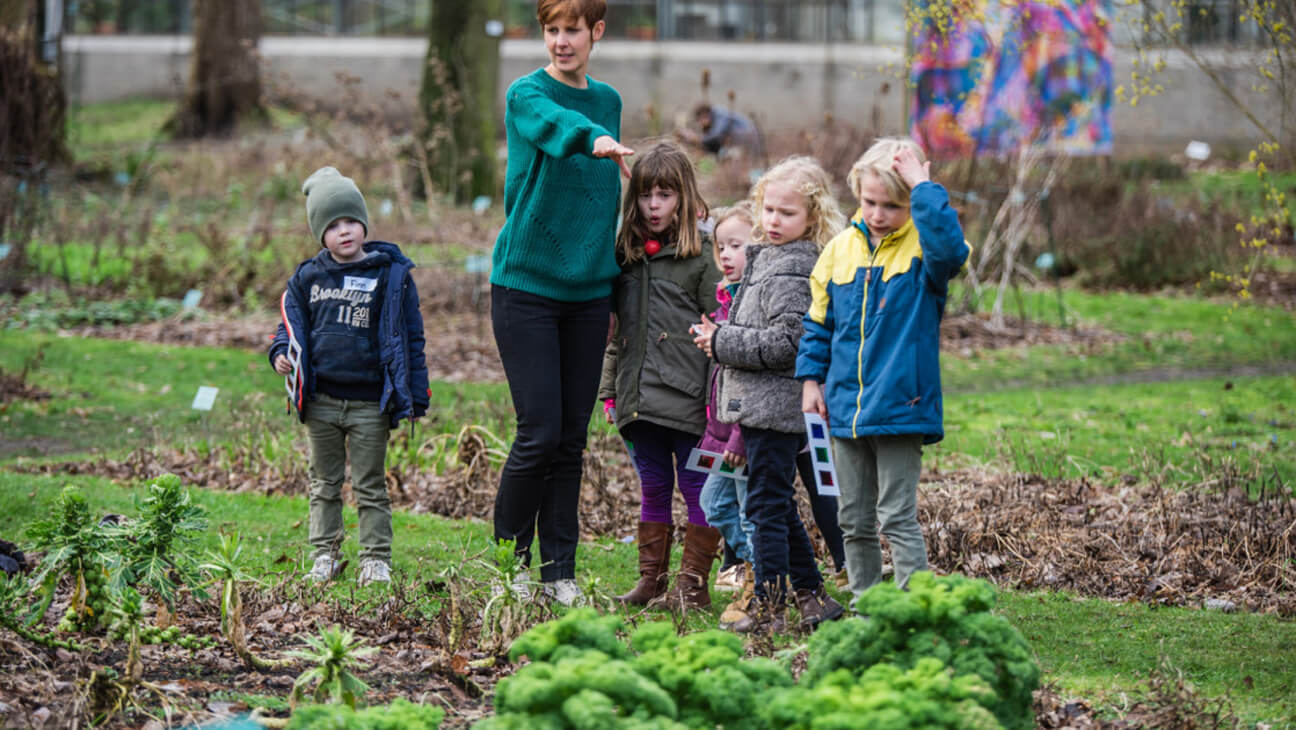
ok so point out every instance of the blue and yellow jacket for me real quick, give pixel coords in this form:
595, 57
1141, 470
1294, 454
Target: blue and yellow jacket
872, 334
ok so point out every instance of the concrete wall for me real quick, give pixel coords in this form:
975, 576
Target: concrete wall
786, 86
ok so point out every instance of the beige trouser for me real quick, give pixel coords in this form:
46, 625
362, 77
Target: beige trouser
335, 427
878, 478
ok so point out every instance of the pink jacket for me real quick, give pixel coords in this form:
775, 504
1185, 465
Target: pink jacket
721, 437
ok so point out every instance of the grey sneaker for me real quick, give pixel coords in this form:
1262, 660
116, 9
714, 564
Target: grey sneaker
563, 590
373, 570
326, 568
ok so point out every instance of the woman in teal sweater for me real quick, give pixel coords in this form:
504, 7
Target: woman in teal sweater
551, 283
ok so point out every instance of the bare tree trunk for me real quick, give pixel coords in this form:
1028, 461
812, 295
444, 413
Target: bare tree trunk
224, 87
457, 97
33, 108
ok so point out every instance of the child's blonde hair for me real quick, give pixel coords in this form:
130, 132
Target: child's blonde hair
742, 210
665, 165
876, 161
823, 218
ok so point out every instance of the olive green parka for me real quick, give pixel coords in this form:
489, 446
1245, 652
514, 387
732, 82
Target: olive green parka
651, 365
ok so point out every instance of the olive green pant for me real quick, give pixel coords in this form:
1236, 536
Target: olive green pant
878, 478
337, 427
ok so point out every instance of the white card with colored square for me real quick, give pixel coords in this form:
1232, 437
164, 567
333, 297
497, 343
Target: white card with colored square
821, 455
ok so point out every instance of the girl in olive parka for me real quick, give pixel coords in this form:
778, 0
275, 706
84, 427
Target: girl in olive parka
654, 379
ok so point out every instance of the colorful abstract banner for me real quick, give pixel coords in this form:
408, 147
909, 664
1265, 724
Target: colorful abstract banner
990, 77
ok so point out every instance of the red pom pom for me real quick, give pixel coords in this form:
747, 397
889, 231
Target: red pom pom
651, 247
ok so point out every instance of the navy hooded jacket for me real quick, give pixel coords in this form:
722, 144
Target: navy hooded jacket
399, 335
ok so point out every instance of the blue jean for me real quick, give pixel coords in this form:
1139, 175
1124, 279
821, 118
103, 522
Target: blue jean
723, 499
781, 546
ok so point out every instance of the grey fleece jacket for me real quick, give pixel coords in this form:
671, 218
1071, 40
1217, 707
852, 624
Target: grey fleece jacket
758, 346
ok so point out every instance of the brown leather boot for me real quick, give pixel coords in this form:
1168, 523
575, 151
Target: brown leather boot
654, 562
691, 591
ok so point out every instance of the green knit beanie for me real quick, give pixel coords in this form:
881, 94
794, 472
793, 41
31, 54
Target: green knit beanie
330, 196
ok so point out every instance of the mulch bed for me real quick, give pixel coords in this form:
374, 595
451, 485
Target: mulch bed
1123, 542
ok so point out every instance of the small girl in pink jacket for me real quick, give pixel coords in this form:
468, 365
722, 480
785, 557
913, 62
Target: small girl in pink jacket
722, 497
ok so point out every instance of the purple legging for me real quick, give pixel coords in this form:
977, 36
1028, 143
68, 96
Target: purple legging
654, 446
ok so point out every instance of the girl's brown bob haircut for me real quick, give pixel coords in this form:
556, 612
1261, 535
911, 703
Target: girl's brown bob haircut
665, 165
552, 11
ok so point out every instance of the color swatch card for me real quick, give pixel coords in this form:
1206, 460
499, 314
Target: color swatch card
710, 462
821, 455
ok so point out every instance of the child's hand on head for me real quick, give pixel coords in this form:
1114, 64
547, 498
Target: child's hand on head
912, 171
702, 333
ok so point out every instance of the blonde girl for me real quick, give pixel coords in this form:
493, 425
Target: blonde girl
654, 380
797, 215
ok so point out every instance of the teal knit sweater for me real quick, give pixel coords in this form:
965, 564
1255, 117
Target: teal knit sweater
560, 203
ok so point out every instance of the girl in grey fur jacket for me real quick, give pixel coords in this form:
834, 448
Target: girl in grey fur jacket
757, 348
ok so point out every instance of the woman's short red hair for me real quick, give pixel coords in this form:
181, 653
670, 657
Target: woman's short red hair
550, 11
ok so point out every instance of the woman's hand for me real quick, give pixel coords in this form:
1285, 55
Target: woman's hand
605, 146
702, 334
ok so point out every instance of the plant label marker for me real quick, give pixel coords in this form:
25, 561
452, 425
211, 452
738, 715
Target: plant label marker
710, 462
820, 448
205, 398
191, 299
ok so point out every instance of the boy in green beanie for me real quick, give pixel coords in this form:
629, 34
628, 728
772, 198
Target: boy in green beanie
350, 345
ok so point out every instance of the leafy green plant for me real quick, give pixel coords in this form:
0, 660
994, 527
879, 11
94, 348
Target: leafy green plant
78, 545
509, 611
401, 714
335, 654
157, 556
947, 618
224, 567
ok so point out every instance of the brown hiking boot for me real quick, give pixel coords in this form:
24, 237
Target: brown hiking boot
760, 616
691, 591
654, 560
816, 606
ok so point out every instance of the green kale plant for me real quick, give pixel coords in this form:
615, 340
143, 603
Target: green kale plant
885, 697
946, 618
705, 674
401, 714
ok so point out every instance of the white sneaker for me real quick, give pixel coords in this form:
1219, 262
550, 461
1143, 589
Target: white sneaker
326, 568
730, 580
563, 590
373, 571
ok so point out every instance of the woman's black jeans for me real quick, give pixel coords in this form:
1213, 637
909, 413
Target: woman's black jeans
552, 353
